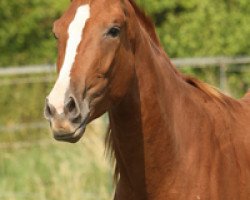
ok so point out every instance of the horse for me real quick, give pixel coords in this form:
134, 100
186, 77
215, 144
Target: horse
173, 137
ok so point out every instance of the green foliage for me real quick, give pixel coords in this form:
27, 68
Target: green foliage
186, 28
25, 31
202, 28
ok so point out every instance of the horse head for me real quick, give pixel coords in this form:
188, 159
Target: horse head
95, 64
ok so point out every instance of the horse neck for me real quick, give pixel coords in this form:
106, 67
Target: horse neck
141, 124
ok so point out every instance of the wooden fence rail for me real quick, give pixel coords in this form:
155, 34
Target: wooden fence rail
179, 62
222, 62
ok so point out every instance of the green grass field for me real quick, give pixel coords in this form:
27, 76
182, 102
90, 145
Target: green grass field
44, 169
33, 166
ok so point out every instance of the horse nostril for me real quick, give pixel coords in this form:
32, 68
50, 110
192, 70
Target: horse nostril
70, 105
72, 110
49, 110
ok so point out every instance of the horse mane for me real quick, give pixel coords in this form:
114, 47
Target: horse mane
146, 22
205, 88
149, 26
212, 93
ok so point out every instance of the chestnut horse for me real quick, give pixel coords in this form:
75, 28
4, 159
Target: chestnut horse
173, 137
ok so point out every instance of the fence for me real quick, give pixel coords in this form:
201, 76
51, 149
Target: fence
179, 62
224, 63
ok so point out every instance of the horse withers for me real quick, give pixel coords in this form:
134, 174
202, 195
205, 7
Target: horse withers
173, 137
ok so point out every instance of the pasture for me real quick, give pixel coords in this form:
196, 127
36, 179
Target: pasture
35, 166
32, 164
41, 168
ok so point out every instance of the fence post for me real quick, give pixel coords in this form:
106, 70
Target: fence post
223, 77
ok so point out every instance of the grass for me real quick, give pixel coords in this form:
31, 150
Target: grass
44, 169
33, 165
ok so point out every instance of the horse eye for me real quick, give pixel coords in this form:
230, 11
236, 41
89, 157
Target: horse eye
114, 32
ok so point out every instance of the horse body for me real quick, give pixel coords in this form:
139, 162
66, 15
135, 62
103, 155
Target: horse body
173, 137
187, 145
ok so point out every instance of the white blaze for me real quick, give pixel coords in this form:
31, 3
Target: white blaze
57, 95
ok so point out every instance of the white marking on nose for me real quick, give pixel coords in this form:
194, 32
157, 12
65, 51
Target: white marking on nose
57, 95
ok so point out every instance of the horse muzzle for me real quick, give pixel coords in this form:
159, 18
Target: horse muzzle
68, 126
63, 130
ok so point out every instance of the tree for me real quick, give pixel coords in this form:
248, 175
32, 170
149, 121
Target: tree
25, 31
202, 28
186, 28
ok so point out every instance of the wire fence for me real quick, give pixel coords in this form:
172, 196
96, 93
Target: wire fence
47, 73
